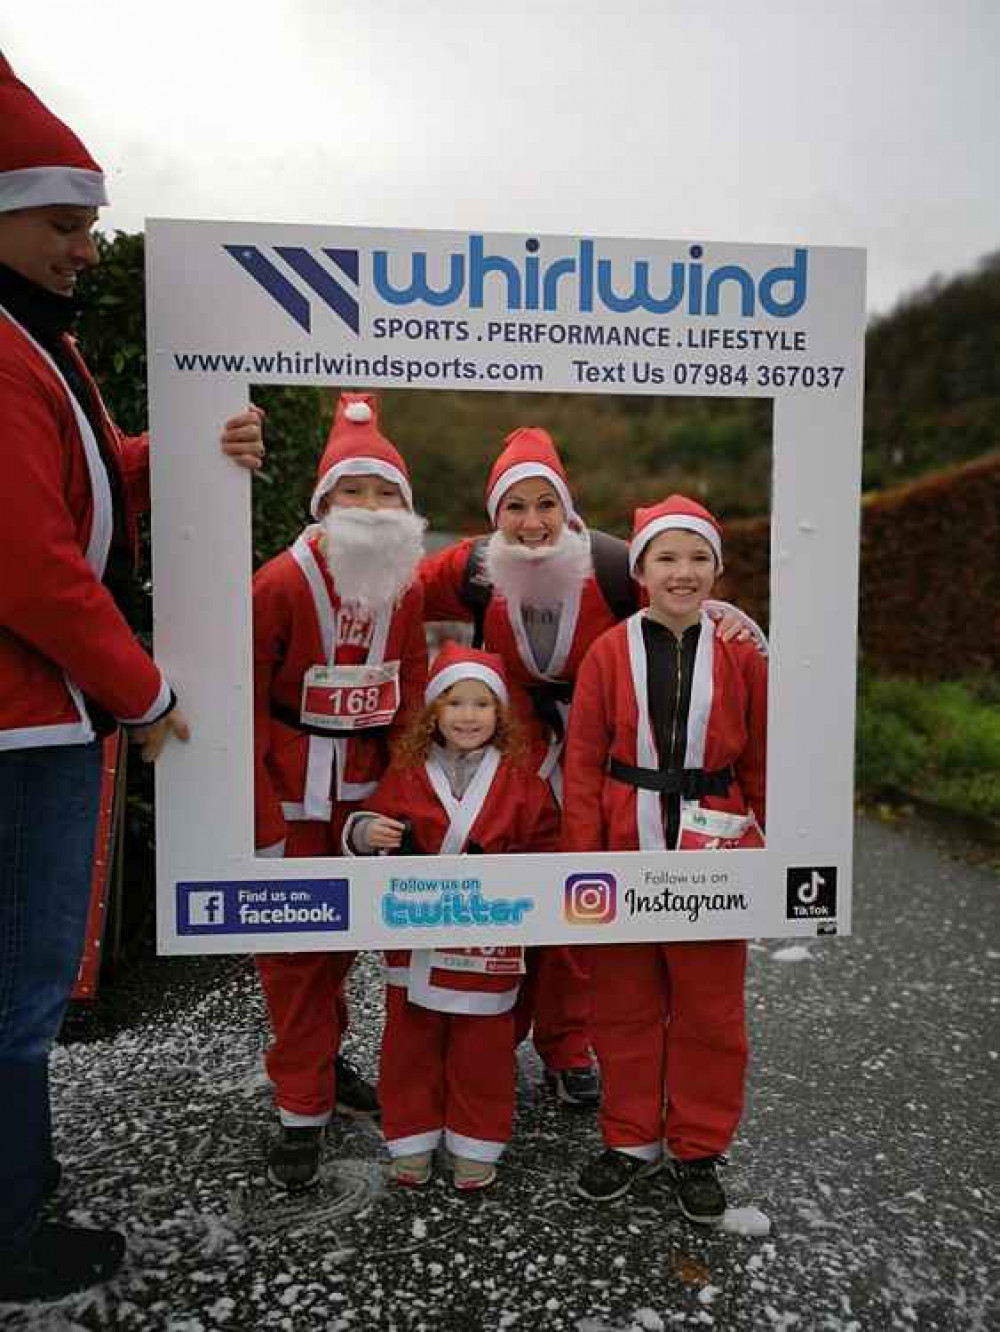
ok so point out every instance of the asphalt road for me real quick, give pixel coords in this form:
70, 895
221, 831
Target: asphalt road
869, 1142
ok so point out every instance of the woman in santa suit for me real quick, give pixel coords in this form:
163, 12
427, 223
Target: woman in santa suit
666, 751
340, 662
458, 784
541, 589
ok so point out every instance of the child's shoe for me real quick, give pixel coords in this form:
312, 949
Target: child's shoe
579, 1088
355, 1096
613, 1173
412, 1171
470, 1175
293, 1162
699, 1192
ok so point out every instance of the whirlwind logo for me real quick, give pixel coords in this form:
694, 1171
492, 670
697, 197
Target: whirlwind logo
580, 280
328, 286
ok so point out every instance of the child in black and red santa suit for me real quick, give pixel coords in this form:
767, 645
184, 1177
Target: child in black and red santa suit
666, 751
447, 1067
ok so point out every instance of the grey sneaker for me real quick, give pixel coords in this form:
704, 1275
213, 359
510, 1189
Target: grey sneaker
412, 1171
470, 1175
612, 1174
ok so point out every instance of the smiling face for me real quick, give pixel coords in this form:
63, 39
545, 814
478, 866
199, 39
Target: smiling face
49, 246
467, 715
531, 514
677, 570
364, 492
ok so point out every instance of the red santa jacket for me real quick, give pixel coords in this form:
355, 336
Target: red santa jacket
299, 622
505, 810
727, 726
61, 634
584, 619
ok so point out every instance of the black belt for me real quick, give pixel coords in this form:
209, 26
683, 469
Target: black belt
545, 698
289, 717
691, 783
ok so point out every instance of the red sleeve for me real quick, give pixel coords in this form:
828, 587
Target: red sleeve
135, 469
413, 663
588, 743
441, 576
543, 831
270, 643
751, 767
391, 797
49, 595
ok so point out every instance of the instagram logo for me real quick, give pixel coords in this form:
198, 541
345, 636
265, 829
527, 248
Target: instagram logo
591, 899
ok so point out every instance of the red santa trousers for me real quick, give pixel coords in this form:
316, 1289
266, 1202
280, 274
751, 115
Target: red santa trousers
670, 1034
305, 1000
554, 1003
450, 1072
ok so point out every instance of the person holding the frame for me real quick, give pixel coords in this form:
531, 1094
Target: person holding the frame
71, 669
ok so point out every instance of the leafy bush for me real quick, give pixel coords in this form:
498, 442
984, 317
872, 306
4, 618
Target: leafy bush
934, 742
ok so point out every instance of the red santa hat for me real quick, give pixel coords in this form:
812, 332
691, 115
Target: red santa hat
356, 448
454, 663
676, 511
528, 452
41, 160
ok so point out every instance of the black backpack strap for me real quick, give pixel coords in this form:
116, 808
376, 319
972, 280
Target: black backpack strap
610, 556
476, 590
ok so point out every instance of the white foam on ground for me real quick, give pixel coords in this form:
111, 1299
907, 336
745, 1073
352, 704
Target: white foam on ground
794, 953
746, 1221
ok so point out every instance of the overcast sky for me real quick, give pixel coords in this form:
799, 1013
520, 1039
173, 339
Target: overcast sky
826, 122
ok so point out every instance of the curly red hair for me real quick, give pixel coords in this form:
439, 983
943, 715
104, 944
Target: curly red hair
413, 746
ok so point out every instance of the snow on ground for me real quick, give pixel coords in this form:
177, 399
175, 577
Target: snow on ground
866, 1150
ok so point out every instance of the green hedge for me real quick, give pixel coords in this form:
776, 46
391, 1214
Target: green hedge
938, 743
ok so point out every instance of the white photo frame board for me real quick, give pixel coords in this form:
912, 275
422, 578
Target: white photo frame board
234, 304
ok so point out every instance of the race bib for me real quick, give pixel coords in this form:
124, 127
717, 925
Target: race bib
485, 961
350, 698
715, 830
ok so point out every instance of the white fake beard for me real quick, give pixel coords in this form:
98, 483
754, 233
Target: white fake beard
541, 576
372, 555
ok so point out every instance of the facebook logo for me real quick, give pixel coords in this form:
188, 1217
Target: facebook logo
206, 909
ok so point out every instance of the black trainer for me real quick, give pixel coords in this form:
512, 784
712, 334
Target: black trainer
355, 1096
612, 1174
293, 1162
699, 1193
60, 1260
576, 1087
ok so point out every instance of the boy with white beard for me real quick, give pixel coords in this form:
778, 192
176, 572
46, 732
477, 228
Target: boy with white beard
340, 661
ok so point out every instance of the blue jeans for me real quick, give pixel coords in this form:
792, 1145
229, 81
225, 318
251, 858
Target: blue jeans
48, 820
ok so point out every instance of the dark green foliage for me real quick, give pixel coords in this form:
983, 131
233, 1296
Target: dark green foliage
296, 425
937, 743
932, 391
112, 328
